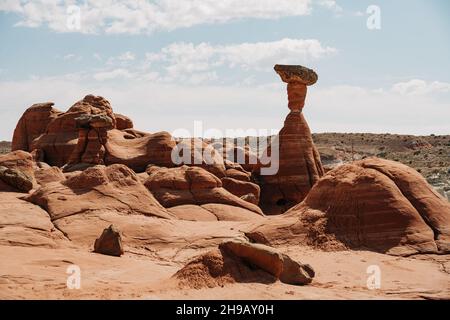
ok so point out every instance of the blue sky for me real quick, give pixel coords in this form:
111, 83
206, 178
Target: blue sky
169, 63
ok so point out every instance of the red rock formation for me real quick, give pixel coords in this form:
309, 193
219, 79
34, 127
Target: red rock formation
138, 152
32, 124
17, 171
241, 188
299, 165
27, 225
92, 135
47, 175
238, 261
191, 185
115, 188
379, 205
61, 135
270, 260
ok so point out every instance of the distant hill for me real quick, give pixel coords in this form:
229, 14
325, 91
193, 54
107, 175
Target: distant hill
5, 147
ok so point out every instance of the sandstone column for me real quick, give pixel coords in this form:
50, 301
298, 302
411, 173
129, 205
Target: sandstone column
299, 161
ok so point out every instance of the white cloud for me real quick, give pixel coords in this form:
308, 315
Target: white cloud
129, 16
331, 5
113, 74
182, 58
69, 56
420, 87
205, 63
126, 56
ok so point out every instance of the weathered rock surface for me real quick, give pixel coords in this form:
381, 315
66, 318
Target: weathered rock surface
217, 269
272, 261
61, 135
123, 122
16, 171
191, 185
19, 160
298, 161
138, 152
45, 176
109, 242
379, 205
238, 261
113, 188
27, 225
16, 179
213, 212
92, 134
32, 124
242, 188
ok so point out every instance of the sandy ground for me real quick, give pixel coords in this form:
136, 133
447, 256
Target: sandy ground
41, 273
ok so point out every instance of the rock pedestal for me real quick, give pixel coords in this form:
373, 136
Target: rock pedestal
299, 165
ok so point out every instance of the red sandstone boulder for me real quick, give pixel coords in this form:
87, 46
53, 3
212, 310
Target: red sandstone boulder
115, 188
238, 261
17, 171
109, 242
270, 260
378, 205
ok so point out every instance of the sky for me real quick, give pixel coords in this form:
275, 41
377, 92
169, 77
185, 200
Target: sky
383, 66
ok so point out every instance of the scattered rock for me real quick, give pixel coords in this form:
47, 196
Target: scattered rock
109, 243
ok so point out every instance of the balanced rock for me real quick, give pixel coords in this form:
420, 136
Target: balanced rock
293, 151
92, 134
376, 204
109, 242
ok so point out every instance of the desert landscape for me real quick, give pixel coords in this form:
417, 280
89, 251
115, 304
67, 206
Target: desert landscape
93, 208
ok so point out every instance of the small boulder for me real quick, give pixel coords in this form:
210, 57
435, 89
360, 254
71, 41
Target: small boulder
109, 243
16, 179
